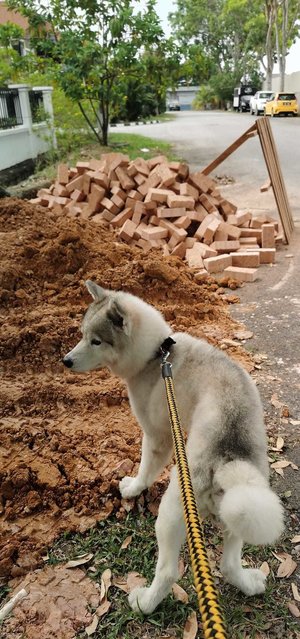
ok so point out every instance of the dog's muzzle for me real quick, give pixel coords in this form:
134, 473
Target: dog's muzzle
68, 362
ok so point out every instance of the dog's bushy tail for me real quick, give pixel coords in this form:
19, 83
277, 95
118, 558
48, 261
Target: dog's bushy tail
249, 508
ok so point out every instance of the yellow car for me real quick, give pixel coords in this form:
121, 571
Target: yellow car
278, 103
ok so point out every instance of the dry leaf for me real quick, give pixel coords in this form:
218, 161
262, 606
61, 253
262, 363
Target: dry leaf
103, 608
295, 422
92, 627
105, 583
180, 594
279, 443
121, 583
283, 463
134, 579
287, 567
191, 627
265, 568
296, 539
295, 592
294, 466
126, 542
293, 609
84, 559
181, 568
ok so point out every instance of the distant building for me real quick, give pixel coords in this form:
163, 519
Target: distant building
22, 46
184, 96
291, 83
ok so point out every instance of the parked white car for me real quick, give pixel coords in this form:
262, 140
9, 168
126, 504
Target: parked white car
258, 101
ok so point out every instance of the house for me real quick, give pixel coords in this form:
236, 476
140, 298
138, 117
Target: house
22, 45
183, 95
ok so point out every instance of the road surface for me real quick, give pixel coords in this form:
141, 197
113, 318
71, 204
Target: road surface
200, 136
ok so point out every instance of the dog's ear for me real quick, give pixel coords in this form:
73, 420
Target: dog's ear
118, 316
97, 292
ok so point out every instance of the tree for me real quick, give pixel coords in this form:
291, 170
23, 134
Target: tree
97, 45
239, 36
218, 33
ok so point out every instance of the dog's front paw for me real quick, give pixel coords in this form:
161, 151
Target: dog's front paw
254, 582
140, 601
129, 487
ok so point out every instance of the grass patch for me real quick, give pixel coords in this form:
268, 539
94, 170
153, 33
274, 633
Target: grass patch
260, 617
84, 147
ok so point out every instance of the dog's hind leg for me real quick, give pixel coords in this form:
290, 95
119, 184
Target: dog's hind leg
170, 533
250, 581
156, 453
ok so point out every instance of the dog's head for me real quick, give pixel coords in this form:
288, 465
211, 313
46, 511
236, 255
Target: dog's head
119, 331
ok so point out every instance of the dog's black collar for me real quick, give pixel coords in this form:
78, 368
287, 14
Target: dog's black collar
165, 347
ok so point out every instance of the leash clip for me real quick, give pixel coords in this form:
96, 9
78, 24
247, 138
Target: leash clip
166, 367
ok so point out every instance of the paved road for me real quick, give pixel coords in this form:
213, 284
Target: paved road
200, 137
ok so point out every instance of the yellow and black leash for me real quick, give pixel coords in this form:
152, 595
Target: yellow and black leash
211, 615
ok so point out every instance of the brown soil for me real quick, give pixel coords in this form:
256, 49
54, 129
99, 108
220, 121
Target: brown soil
66, 440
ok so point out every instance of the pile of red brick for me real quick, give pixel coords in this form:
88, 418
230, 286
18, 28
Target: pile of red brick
161, 204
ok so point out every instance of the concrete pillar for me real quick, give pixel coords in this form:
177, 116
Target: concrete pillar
23, 90
48, 106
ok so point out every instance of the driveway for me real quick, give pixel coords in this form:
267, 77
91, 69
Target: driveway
200, 136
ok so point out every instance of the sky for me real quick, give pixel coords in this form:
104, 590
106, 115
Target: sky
164, 7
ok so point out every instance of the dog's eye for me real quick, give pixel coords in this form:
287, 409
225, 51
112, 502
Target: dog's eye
95, 342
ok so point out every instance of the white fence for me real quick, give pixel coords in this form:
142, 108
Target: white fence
24, 132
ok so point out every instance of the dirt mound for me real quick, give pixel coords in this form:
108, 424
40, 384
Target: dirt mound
67, 440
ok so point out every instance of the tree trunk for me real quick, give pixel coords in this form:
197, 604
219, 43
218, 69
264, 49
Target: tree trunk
270, 9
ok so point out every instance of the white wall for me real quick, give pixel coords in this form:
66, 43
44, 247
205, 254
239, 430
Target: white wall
27, 141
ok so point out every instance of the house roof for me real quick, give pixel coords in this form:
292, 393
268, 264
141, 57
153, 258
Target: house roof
6, 15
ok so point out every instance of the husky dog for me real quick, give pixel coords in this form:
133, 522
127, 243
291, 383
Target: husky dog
221, 411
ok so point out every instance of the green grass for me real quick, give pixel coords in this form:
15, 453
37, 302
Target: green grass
84, 147
247, 618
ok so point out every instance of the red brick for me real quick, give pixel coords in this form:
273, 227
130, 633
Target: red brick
217, 264
268, 236
82, 167
246, 259
226, 208
266, 255
241, 274
194, 257
77, 196
154, 233
183, 222
181, 201
158, 195
233, 232
209, 203
201, 182
76, 183
187, 189
63, 174
226, 246
164, 212
125, 180
127, 231
158, 159
120, 218
151, 182
101, 179
242, 217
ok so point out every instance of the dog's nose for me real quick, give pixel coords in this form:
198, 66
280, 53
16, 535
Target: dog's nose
68, 362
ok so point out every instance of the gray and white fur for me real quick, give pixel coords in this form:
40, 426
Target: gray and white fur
221, 411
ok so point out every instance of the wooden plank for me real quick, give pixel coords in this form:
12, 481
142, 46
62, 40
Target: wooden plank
230, 149
272, 161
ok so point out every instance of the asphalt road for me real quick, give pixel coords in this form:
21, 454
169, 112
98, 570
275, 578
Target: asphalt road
200, 136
